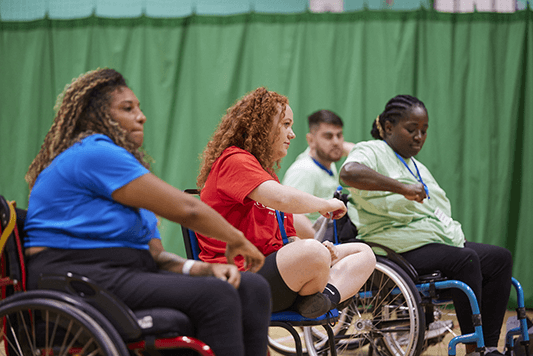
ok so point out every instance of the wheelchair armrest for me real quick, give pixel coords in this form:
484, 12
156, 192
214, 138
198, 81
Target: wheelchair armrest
396, 258
122, 318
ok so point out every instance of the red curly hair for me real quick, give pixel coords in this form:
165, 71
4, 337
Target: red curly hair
247, 125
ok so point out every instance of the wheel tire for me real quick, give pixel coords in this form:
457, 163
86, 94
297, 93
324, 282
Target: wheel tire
386, 317
45, 326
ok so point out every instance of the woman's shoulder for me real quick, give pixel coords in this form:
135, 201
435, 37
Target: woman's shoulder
97, 151
234, 153
376, 145
99, 145
233, 150
372, 148
99, 140
238, 163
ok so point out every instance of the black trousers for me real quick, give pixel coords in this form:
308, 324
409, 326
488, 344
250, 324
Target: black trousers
485, 268
231, 321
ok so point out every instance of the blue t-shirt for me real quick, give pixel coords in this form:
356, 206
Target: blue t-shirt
71, 206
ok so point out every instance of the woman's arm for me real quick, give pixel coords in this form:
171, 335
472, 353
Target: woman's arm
171, 262
303, 226
291, 200
151, 193
359, 176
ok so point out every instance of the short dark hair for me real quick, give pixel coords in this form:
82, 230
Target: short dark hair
324, 116
395, 109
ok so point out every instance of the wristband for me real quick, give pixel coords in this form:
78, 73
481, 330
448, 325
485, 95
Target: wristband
186, 269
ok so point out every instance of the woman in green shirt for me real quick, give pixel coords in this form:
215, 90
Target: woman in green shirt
398, 203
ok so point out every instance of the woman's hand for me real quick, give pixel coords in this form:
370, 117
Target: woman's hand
332, 250
415, 192
336, 209
224, 272
228, 273
253, 259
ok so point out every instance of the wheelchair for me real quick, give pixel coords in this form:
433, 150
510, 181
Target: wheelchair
70, 315
395, 310
289, 321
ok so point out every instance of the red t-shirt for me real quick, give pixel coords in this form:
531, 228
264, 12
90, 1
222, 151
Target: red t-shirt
233, 176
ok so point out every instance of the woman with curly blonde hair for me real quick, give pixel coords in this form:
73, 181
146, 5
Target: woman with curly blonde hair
237, 178
92, 212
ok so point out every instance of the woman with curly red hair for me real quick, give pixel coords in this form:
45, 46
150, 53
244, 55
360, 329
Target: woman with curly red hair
238, 179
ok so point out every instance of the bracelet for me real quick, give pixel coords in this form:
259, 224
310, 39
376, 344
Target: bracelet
186, 269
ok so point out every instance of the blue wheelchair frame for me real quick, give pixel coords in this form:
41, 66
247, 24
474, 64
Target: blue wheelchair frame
285, 319
477, 335
288, 319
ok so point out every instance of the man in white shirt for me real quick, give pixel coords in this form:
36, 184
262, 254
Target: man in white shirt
314, 170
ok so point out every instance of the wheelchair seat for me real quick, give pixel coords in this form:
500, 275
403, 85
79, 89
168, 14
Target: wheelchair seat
130, 324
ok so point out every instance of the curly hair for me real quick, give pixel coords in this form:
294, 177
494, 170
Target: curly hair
247, 125
395, 109
82, 109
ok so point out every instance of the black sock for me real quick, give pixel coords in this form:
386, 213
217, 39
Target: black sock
332, 293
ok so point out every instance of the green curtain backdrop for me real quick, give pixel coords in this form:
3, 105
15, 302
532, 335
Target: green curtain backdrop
474, 72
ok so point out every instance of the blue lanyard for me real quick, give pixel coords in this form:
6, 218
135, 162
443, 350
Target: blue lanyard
280, 216
418, 177
328, 171
336, 237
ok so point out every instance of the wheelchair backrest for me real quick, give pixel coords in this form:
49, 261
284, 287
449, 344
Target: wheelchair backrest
11, 247
192, 249
191, 243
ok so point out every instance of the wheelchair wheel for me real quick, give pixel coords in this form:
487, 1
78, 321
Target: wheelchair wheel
49, 327
442, 326
281, 341
385, 317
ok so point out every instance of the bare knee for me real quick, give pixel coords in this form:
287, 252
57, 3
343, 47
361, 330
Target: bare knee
314, 252
369, 260
304, 265
362, 260
368, 256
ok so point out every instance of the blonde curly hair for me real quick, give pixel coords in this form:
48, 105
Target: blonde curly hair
82, 109
247, 125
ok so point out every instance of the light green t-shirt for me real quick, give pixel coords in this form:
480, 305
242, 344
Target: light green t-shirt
307, 176
392, 220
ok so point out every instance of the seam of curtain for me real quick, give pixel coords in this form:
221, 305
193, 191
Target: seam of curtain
377, 15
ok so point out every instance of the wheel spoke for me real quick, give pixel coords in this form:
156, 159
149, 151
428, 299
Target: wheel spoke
385, 318
51, 327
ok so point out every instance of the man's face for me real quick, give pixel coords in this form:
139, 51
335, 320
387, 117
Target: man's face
326, 142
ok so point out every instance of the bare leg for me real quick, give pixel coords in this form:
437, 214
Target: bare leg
304, 266
354, 265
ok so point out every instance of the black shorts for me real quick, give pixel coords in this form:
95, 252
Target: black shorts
282, 296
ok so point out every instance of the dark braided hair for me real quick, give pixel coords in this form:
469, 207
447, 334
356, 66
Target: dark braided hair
395, 109
82, 110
